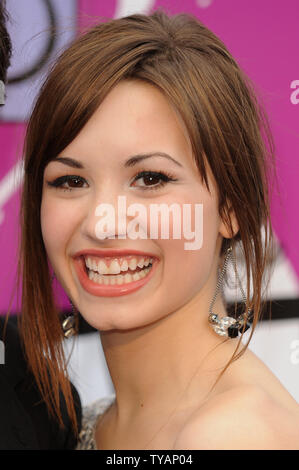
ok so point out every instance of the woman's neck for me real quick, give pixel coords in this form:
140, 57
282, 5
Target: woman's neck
153, 366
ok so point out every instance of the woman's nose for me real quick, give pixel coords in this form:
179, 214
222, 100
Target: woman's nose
105, 217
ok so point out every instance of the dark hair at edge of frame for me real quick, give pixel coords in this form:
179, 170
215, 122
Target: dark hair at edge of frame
5, 43
194, 70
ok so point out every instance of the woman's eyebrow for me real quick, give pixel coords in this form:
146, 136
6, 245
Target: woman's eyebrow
137, 158
69, 162
129, 163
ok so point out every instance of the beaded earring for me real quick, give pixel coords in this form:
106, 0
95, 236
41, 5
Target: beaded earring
229, 326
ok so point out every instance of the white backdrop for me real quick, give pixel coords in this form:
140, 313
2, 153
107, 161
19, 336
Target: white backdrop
276, 342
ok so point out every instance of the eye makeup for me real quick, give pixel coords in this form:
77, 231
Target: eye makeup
145, 175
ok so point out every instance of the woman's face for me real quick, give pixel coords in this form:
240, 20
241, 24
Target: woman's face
135, 118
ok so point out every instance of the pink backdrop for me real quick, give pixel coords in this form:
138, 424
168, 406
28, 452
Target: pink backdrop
263, 37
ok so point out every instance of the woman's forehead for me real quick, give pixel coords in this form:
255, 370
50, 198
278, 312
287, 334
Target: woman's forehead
136, 117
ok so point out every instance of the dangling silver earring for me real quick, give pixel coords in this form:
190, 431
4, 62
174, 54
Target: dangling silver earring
69, 324
229, 326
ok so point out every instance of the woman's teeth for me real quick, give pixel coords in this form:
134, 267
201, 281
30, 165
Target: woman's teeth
102, 273
117, 279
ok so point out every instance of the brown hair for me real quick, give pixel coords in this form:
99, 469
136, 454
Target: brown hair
227, 129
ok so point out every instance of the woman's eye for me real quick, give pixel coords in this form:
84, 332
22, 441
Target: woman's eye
74, 180
150, 180
153, 180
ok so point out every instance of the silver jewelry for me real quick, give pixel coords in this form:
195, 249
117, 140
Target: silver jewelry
69, 324
229, 326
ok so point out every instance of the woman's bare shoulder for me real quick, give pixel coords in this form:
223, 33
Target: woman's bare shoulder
245, 417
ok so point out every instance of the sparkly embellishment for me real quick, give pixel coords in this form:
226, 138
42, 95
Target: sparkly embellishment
222, 325
213, 318
229, 326
90, 416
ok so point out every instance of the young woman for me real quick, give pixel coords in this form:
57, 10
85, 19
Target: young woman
25, 422
153, 110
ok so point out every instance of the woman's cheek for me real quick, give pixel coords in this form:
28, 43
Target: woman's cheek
186, 271
56, 224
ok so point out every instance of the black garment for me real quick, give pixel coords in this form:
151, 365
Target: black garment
24, 419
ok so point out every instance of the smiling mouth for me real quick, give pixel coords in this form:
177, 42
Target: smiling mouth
114, 273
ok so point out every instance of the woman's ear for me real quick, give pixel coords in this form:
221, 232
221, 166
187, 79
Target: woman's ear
228, 217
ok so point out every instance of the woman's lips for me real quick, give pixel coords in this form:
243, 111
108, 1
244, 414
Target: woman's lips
102, 290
